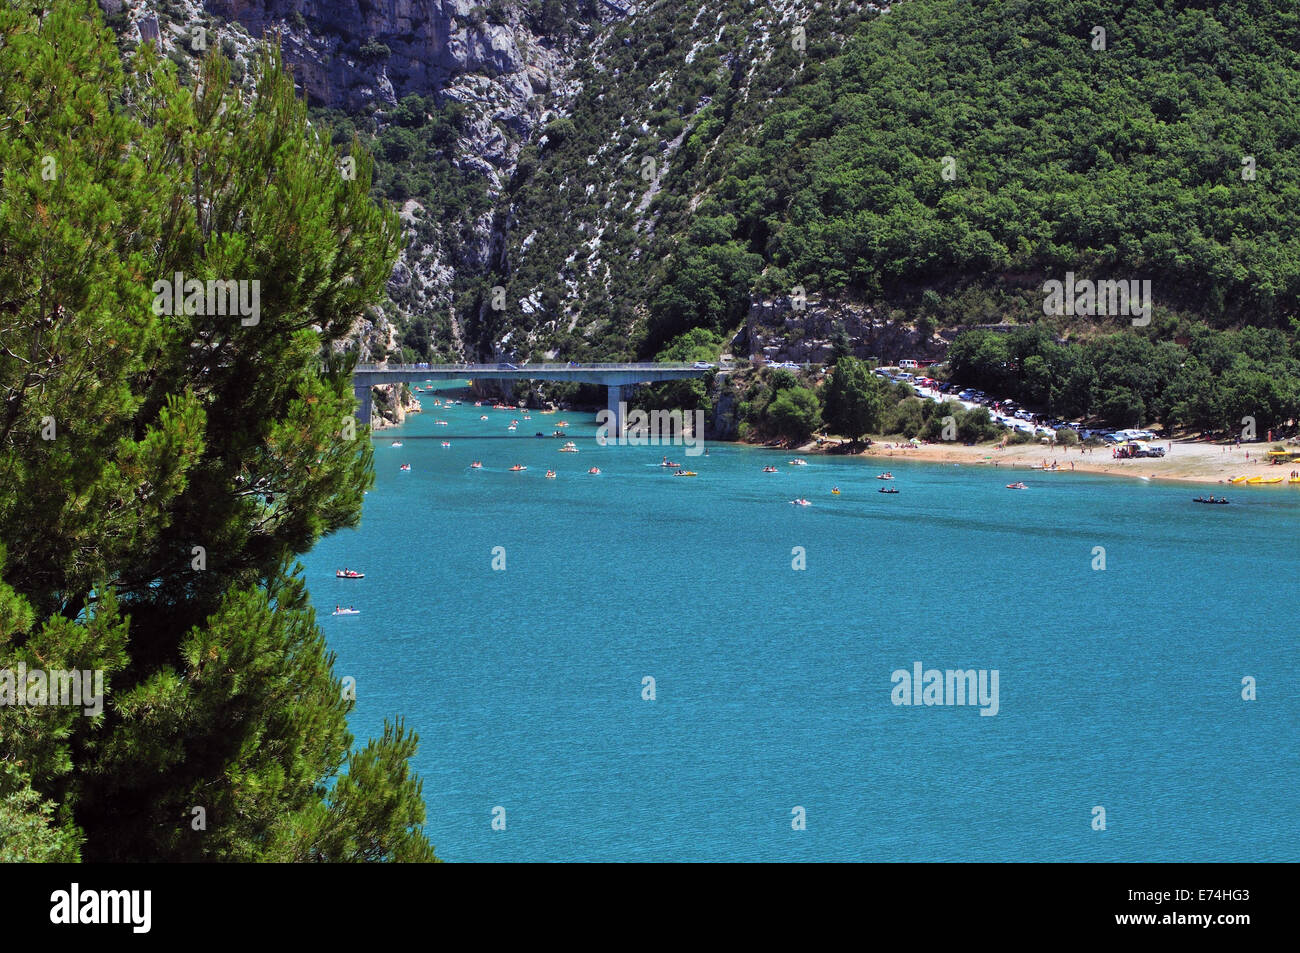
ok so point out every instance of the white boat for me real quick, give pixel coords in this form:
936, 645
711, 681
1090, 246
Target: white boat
347, 612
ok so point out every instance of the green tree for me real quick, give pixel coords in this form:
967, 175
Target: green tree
854, 400
795, 413
177, 430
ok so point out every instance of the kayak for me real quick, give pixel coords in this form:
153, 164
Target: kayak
1240, 479
346, 612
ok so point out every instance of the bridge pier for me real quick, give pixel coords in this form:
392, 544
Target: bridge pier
615, 394
366, 400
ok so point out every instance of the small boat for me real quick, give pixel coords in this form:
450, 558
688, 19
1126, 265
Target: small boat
1219, 502
670, 465
685, 473
446, 443
482, 416
512, 427
1017, 486
1240, 479
769, 470
550, 474
339, 611
349, 574
835, 491
1266, 481
885, 476
595, 470
798, 462
441, 423
569, 447
1293, 480
557, 433
396, 443
516, 468
801, 502
886, 489
406, 466
476, 465
562, 424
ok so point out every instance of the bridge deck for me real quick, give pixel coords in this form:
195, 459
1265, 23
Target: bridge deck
615, 377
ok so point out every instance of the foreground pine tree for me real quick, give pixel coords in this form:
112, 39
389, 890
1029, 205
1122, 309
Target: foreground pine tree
159, 473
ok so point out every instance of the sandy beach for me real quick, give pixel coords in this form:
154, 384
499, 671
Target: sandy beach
1186, 461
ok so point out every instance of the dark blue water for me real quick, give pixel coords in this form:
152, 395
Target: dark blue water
1118, 688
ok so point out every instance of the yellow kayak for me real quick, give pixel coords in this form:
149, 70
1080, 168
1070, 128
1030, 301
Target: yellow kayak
1270, 481
1294, 480
1241, 479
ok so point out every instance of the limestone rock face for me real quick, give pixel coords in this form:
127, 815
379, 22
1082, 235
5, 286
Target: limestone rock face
338, 46
810, 335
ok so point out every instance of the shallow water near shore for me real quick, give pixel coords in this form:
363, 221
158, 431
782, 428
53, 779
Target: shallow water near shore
1119, 688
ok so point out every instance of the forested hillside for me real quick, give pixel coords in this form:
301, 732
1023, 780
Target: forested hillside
663, 167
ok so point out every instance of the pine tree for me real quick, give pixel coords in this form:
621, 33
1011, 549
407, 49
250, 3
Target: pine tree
152, 530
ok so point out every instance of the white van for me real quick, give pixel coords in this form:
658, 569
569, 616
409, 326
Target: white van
907, 364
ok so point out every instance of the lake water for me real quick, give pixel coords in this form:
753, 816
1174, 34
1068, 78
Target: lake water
1119, 689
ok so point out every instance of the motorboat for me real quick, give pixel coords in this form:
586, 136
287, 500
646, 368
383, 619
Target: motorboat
550, 474
801, 502
685, 473
569, 447
885, 476
446, 443
798, 462
396, 443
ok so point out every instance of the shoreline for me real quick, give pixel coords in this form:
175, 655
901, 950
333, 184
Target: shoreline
1186, 462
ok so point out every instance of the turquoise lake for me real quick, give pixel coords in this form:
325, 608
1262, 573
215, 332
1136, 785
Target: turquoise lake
1119, 688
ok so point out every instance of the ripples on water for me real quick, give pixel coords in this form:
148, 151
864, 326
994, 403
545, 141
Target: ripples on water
1118, 688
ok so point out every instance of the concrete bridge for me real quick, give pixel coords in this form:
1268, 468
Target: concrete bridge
614, 377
